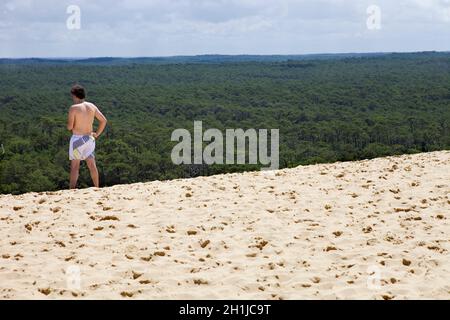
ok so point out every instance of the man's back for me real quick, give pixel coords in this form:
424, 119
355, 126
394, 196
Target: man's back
84, 114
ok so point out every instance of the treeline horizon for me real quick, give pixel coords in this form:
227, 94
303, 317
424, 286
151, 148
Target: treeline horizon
327, 110
213, 58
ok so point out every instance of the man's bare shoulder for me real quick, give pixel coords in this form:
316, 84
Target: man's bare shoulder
83, 106
74, 107
91, 105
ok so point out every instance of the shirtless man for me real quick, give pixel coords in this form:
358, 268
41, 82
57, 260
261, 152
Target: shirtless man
82, 144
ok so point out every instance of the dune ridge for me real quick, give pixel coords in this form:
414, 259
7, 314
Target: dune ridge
372, 229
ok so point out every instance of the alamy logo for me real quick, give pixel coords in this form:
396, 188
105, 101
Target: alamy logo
374, 17
236, 151
374, 278
73, 22
73, 277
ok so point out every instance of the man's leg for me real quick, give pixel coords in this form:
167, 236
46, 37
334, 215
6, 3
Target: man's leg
93, 170
74, 171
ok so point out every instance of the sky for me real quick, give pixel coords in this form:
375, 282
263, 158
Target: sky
145, 28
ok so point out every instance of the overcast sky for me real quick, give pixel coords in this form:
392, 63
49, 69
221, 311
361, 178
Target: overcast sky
129, 28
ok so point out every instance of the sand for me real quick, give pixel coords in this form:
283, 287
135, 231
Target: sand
375, 229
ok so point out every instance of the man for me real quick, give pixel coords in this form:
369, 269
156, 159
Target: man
82, 144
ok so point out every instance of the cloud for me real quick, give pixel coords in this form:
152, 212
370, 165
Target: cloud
173, 27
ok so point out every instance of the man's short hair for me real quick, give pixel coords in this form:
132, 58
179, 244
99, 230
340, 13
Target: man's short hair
78, 91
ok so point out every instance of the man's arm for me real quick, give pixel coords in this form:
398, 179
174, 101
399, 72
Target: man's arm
71, 119
102, 122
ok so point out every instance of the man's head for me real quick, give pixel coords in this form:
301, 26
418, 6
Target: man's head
78, 93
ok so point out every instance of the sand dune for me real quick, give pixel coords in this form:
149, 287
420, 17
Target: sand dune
375, 229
